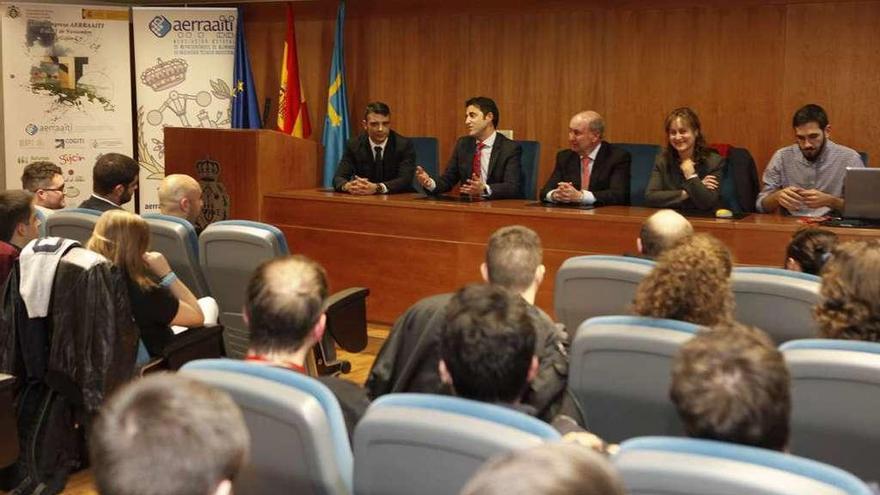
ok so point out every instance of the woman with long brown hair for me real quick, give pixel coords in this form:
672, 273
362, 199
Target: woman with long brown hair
158, 298
687, 174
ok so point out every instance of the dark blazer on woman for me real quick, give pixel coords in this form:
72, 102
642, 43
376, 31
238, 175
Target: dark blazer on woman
667, 181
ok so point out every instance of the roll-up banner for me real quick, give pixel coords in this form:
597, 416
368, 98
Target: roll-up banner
183, 78
66, 89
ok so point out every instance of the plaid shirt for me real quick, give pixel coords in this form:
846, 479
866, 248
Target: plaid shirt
788, 167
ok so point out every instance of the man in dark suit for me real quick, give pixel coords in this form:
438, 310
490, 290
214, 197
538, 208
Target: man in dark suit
379, 161
114, 180
593, 171
484, 162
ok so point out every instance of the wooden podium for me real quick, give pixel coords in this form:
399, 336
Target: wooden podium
245, 164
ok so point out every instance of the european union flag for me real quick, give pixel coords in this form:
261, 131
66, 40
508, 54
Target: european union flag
245, 110
336, 126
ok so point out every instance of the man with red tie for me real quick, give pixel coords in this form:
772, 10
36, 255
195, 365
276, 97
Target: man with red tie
485, 163
592, 171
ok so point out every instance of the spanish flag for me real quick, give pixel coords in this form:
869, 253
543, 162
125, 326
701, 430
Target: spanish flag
293, 115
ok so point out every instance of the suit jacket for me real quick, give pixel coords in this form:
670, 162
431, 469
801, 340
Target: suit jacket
93, 203
504, 167
609, 179
395, 171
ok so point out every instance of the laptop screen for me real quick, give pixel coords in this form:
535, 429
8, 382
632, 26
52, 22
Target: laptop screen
862, 193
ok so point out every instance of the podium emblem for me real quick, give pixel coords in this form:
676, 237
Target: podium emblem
214, 195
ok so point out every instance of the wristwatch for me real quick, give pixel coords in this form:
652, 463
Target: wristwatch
381, 189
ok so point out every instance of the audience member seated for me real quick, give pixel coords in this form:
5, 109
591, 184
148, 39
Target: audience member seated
18, 226
284, 311
181, 196
114, 180
158, 298
691, 283
849, 306
171, 435
487, 353
46, 182
731, 384
408, 360
661, 231
549, 469
809, 249
687, 174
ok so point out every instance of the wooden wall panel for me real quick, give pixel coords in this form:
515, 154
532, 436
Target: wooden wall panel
833, 59
744, 65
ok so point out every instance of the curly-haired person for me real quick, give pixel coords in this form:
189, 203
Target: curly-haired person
849, 307
691, 283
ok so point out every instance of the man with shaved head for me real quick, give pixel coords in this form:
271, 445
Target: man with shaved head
592, 171
661, 231
284, 309
180, 196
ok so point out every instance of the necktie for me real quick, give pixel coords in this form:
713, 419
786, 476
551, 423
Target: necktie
585, 173
476, 167
379, 169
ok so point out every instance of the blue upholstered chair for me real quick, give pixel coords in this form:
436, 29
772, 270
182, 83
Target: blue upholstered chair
643, 156
529, 166
596, 285
299, 442
431, 444
690, 466
835, 387
427, 154
72, 223
620, 373
778, 301
176, 238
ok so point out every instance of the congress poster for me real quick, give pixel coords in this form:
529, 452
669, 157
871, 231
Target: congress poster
183, 78
66, 89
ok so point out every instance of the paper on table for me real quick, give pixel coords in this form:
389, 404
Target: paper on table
211, 311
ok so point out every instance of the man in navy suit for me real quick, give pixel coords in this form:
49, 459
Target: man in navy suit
485, 163
379, 161
592, 171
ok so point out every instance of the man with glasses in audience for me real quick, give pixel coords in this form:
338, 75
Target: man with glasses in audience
114, 179
46, 181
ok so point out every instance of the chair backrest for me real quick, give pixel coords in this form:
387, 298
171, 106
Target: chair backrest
835, 387
620, 371
42, 217
176, 238
643, 156
596, 285
72, 223
529, 165
229, 252
427, 154
430, 444
729, 193
864, 156
778, 301
299, 443
685, 466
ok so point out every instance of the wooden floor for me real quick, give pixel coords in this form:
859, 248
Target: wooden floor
81, 483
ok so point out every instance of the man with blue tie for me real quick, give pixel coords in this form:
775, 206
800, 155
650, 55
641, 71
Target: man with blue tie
485, 163
592, 171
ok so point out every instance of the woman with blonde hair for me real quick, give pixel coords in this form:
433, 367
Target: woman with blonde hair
158, 298
687, 174
691, 283
849, 307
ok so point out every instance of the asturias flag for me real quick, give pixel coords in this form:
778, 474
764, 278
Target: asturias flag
245, 110
293, 116
336, 126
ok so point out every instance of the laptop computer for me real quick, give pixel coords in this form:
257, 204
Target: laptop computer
862, 206
862, 189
